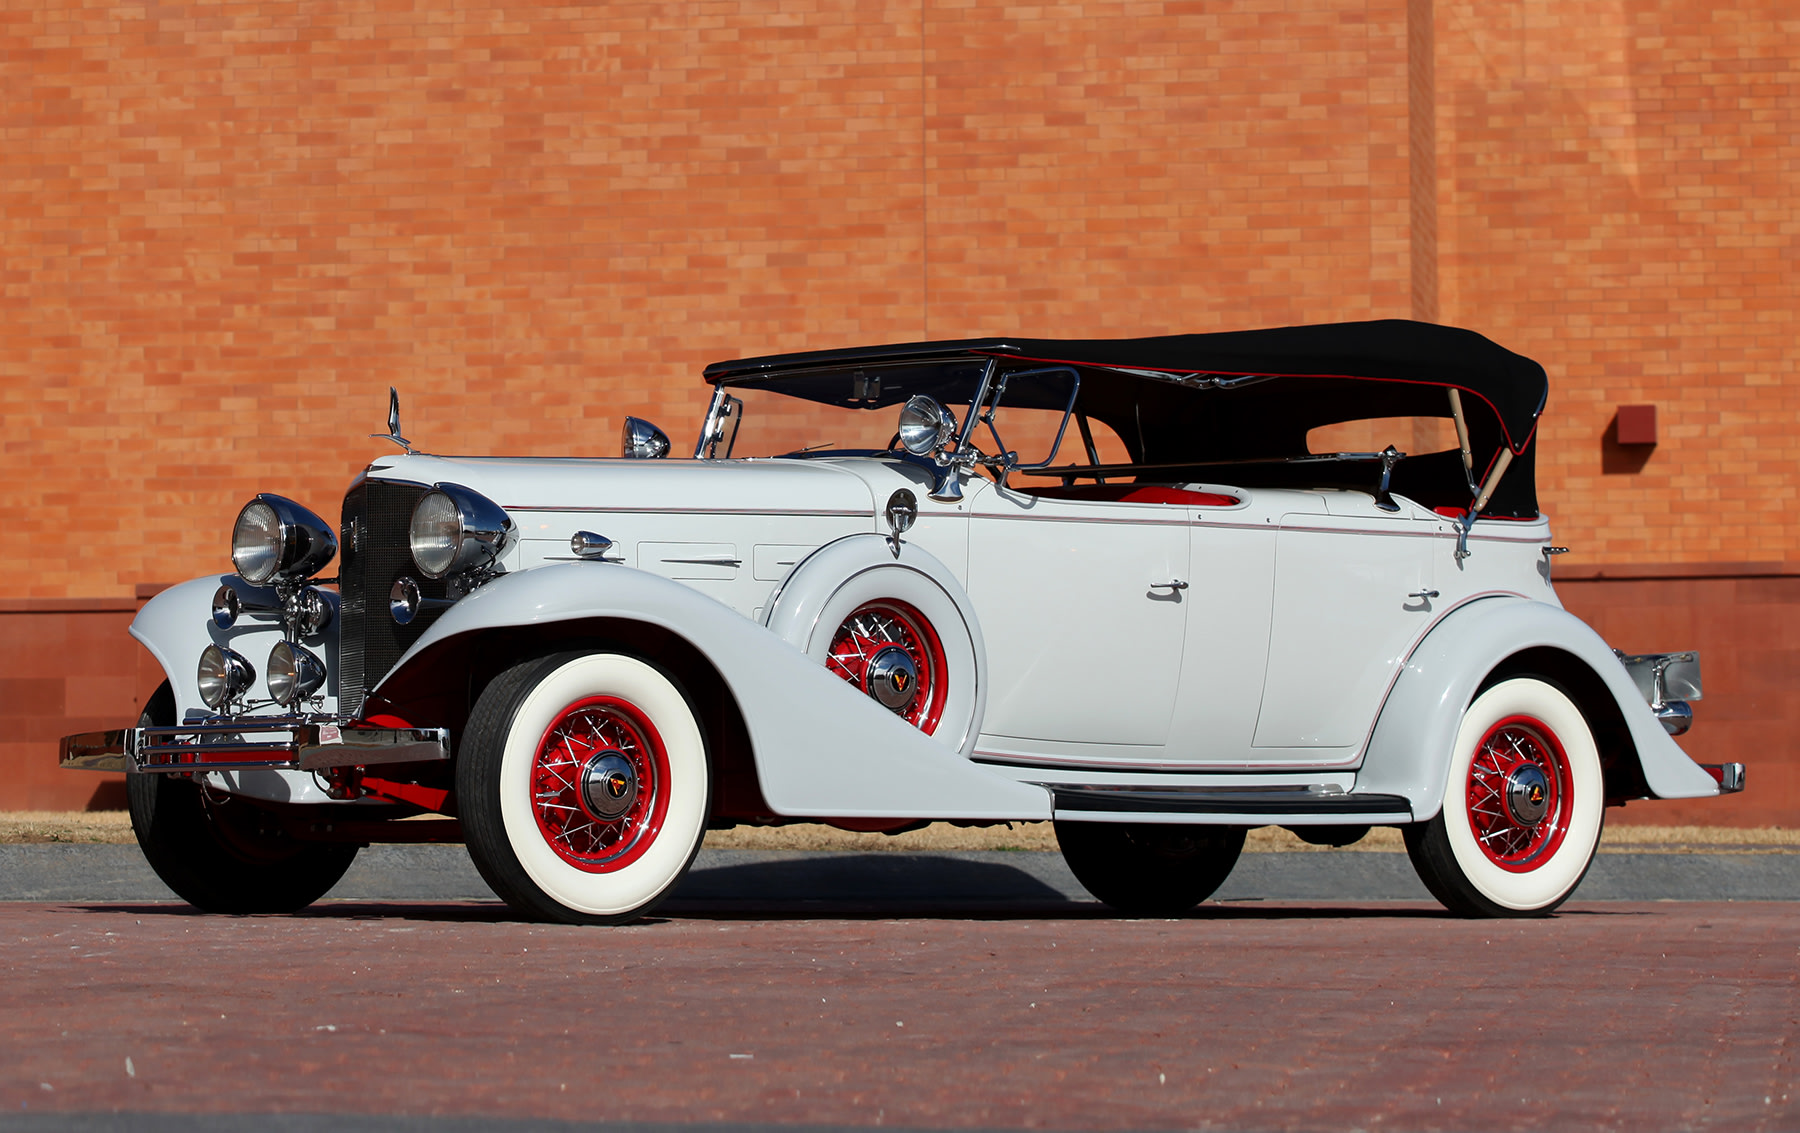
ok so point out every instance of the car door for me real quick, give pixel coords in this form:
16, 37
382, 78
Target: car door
1353, 594
1232, 551
1082, 618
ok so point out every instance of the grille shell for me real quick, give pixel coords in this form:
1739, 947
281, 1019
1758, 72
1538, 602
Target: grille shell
375, 553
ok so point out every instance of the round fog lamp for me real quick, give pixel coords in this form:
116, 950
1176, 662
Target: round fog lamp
223, 676
226, 607
404, 601
294, 673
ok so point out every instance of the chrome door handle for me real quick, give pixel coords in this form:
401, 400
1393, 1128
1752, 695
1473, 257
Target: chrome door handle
1175, 585
1423, 594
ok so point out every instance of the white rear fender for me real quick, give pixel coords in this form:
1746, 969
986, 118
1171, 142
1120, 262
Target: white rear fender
1409, 752
821, 746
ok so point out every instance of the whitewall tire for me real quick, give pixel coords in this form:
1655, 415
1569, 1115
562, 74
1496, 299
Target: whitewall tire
1523, 807
583, 786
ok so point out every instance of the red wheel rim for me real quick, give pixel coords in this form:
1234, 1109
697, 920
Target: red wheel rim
595, 736
878, 625
1518, 768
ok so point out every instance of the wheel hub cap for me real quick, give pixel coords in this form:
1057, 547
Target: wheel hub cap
609, 786
1527, 794
892, 678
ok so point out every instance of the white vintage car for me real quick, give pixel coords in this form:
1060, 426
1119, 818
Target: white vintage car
1138, 588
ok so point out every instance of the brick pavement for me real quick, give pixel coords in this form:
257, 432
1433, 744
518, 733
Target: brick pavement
1281, 1017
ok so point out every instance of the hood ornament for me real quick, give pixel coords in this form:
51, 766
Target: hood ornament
393, 433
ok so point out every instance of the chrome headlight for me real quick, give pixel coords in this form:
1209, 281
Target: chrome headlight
925, 426
276, 536
223, 676
294, 673
455, 529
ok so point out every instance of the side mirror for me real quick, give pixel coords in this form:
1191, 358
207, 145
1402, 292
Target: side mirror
925, 426
643, 441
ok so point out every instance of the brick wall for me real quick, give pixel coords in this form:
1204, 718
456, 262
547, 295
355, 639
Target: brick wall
229, 228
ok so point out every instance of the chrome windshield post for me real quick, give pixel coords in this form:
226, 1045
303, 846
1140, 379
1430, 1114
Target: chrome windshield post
713, 430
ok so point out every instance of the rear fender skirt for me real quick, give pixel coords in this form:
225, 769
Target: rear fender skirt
822, 748
1409, 751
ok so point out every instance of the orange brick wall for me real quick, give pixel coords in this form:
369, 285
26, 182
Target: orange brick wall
229, 228
65, 667
1617, 199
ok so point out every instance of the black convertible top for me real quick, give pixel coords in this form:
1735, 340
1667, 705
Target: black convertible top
1390, 362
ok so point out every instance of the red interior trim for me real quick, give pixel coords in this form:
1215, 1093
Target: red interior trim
1459, 512
1137, 494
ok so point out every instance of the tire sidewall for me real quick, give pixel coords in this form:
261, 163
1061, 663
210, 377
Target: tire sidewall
635, 886
1548, 883
956, 722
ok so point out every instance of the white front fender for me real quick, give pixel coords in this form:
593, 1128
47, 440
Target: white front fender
176, 625
1409, 752
821, 747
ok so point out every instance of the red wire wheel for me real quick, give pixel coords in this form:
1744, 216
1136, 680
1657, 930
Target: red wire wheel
1519, 792
889, 650
599, 784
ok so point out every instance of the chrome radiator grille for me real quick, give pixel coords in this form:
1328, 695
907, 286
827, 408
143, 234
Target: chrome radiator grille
373, 553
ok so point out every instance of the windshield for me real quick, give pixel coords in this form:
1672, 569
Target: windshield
857, 409
774, 423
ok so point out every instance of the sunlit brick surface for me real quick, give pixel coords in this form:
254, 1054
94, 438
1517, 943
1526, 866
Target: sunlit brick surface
229, 228
1243, 1017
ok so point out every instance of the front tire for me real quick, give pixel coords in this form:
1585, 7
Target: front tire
583, 787
1150, 869
1523, 809
221, 853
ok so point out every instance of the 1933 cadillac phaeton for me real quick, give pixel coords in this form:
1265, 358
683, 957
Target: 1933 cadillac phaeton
1139, 588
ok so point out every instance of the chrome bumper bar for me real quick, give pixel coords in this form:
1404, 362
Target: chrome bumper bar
1729, 776
284, 743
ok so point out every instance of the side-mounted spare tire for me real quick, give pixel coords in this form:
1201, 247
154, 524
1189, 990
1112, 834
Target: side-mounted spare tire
221, 853
896, 626
583, 786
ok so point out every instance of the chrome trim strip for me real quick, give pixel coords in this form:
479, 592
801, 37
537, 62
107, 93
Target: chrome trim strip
1227, 818
1247, 801
691, 511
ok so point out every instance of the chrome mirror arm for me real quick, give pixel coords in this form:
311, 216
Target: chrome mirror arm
1389, 457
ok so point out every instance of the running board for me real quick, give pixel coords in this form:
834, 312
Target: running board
1286, 805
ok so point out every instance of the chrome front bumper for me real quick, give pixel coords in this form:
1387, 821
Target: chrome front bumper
281, 743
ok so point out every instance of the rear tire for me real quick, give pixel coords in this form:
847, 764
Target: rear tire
221, 853
1523, 807
1150, 869
583, 787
